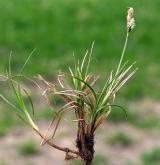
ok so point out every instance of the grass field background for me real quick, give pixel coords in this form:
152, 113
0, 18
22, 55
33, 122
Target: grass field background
57, 28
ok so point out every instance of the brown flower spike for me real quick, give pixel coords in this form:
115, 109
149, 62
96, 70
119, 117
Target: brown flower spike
130, 19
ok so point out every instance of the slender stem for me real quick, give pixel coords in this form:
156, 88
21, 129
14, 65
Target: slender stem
123, 52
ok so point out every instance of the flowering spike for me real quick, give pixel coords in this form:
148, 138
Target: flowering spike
130, 19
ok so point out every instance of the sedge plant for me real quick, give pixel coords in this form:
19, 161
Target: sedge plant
77, 89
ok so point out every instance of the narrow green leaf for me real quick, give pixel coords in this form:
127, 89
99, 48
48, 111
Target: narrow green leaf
9, 64
72, 75
20, 100
27, 60
83, 61
89, 60
92, 90
31, 103
125, 80
121, 108
10, 103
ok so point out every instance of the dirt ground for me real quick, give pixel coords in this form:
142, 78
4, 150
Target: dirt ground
142, 140
117, 155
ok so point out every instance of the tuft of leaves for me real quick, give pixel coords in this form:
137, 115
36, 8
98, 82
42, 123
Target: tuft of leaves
76, 88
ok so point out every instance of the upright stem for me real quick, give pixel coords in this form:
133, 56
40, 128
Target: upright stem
123, 52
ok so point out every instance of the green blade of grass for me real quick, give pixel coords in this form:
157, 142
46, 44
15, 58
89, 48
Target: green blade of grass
21, 70
31, 103
83, 61
89, 59
10, 103
92, 90
9, 64
121, 108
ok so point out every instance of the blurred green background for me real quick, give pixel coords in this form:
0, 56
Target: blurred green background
57, 28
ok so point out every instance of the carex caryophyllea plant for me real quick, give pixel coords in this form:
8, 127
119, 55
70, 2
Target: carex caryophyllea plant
77, 89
